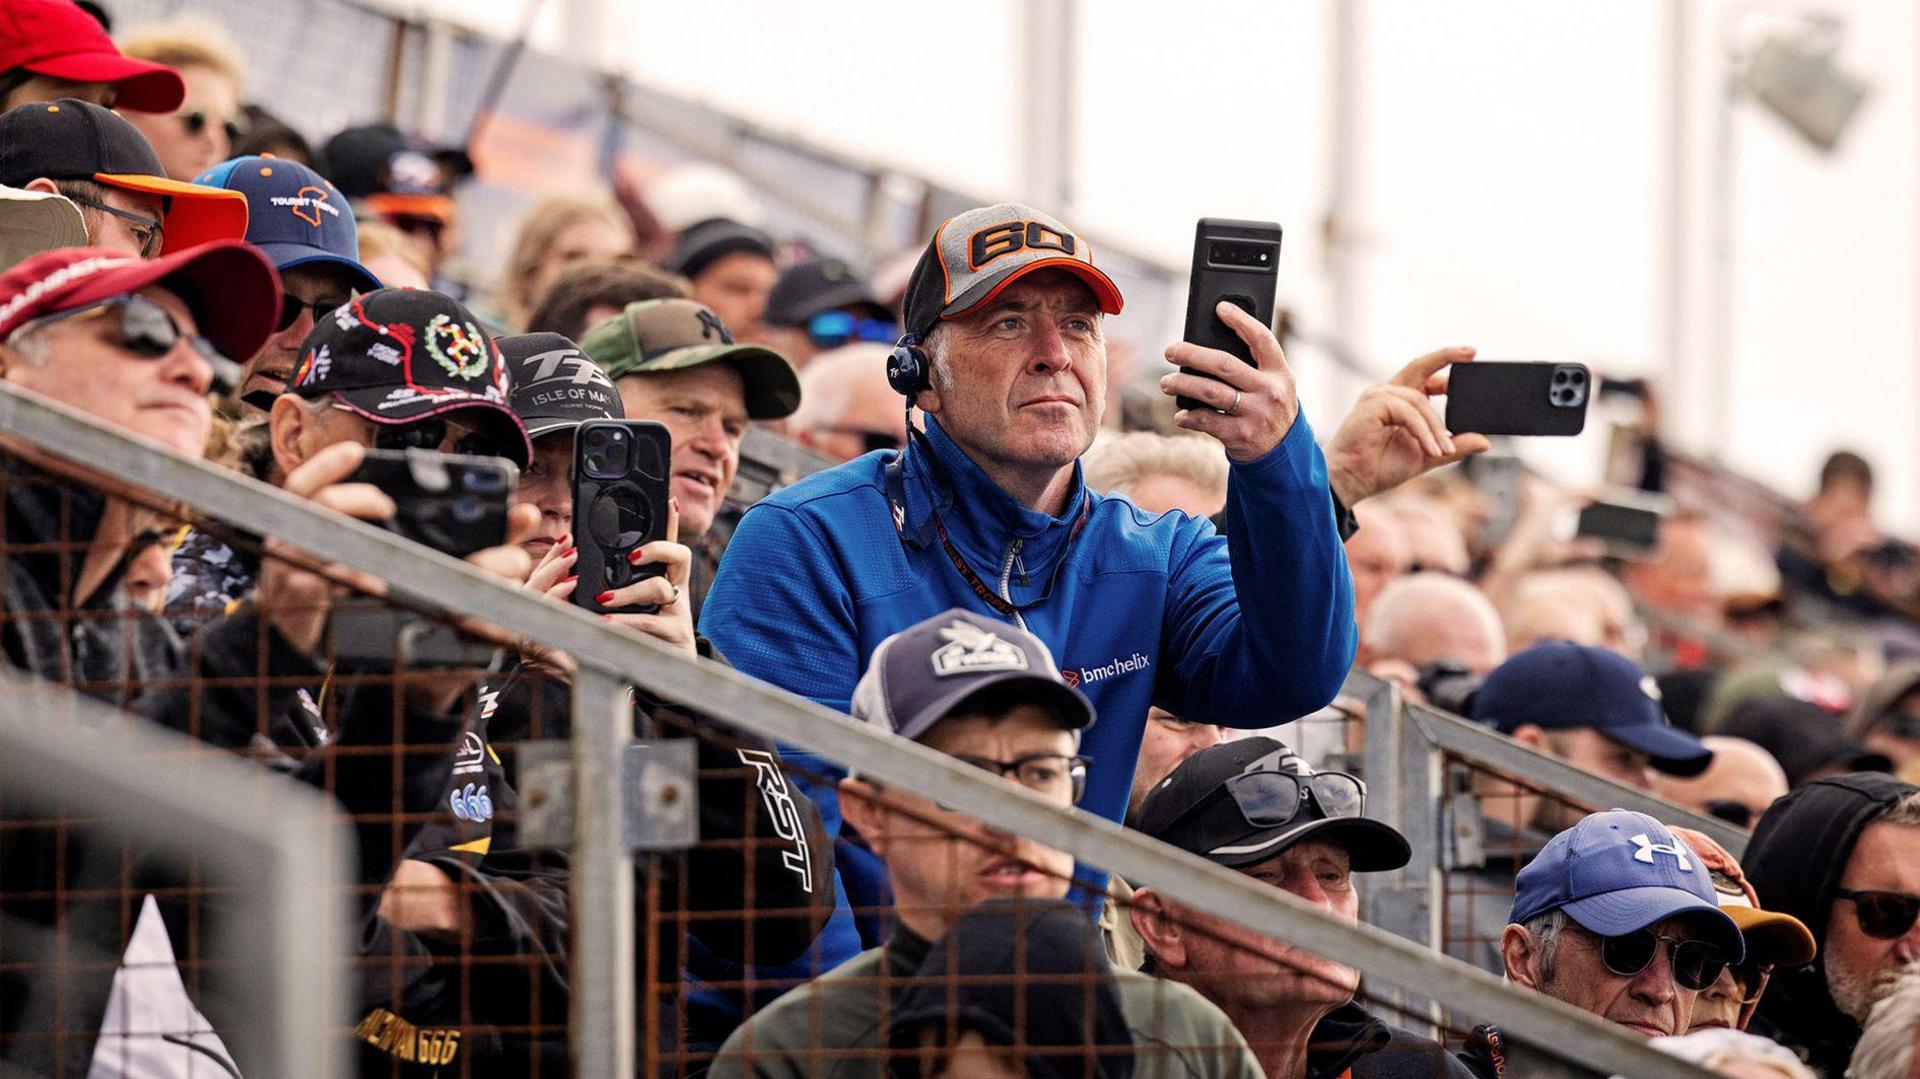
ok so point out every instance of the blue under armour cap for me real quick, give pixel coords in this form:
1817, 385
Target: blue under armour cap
1620, 872
1558, 686
294, 215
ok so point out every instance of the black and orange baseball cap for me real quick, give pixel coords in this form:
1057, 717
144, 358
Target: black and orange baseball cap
393, 174
70, 139
975, 255
58, 39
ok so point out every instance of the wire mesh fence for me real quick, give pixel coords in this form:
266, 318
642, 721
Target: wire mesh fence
552, 873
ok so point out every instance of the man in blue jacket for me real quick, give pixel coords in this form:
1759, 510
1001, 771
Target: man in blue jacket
987, 511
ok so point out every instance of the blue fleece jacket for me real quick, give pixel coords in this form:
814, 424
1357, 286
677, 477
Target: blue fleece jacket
1138, 608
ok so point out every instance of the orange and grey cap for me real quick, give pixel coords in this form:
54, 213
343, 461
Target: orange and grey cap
71, 139
974, 255
652, 336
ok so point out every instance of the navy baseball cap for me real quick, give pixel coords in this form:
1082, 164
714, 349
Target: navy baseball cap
920, 675
1558, 686
294, 215
1619, 872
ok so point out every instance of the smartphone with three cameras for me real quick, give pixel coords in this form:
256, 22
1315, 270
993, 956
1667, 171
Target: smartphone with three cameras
621, 472
1234, 261
1490, 398
453, 503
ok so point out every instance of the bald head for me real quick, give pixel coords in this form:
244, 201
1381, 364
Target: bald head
844, 398
1434, 539
1428, 617
1741, 772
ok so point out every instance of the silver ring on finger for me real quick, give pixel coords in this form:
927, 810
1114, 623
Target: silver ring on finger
676, 596
1234, 408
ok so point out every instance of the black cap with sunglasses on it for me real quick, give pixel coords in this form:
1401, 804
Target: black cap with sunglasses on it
1243, 802
398, 356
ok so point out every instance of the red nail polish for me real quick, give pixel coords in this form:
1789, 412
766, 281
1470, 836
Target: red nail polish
603, 597
570, 580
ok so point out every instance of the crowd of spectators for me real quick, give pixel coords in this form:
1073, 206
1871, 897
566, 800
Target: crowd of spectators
1126, 621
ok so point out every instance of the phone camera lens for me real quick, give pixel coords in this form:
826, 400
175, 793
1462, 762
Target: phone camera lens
597, 437
1576, 377
1559, 378
1263, 256
467, 509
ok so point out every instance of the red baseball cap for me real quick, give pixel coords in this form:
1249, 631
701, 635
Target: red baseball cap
59, 39
229, 286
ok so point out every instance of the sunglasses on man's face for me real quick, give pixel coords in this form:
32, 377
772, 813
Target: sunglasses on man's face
1738, 814
831, 329
291, 306
1883, 915
1750, 979
144, 329
432, 433
1696, 964
196, 122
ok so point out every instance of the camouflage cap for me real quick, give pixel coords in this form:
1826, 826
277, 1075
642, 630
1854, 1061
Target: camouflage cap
673, 335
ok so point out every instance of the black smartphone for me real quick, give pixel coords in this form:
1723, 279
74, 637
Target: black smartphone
1628, 524
1235, 261
450, 502
621, 471
1492, 398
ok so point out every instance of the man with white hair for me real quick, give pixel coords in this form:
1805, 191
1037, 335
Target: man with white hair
1160, 472
1582, 604
846, 407
1431, 618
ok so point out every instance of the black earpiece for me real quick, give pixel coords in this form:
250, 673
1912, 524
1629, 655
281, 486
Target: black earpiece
908, 369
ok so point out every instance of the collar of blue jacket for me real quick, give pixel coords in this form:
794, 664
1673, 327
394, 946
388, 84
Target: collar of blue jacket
991, 515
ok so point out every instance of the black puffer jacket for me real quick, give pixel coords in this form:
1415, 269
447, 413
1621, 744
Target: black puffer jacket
1799, 851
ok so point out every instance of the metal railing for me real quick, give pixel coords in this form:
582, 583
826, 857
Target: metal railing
602, 1031
271, 845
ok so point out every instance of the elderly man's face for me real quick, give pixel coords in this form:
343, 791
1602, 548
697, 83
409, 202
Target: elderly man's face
1885, 858
81, 362
943, 862
1227, 962
273, 365
1650, 1003
705, 409
1025, 377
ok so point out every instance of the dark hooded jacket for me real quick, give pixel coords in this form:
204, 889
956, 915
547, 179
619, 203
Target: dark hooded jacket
1798, 854
1349, 1037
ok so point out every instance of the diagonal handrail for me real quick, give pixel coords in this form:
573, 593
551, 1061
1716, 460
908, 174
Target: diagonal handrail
1566, 1034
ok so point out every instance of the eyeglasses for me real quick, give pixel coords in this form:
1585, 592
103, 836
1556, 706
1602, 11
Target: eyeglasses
1750, 979
291, 306
150, 232
1883, 915
1046, 773
831, 329
1696, 964
1900, 725
196, 122
431, 433
146, 330
415, 225
1738, 814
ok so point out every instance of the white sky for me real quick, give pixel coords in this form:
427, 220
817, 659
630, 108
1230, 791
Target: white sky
1513, 158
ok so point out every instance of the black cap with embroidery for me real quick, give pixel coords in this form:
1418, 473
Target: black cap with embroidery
397, 355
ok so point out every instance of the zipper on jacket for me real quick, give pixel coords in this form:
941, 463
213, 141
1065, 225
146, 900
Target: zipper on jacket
1006, 576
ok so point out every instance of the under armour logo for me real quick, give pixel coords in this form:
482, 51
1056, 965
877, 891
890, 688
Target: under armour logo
711, 326
1648, 847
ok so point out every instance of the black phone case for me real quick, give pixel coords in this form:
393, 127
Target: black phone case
453, 503
614, 516
1491, 398
1250, 288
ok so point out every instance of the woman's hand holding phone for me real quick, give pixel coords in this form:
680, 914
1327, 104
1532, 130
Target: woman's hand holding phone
657, 607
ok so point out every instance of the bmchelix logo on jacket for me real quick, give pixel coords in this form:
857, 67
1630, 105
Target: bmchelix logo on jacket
1079, 676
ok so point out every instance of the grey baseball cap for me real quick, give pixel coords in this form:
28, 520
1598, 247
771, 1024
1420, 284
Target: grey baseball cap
553, 386
918, 676
974, 255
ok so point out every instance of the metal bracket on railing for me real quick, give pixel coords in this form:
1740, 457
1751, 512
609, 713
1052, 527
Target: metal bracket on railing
660, 805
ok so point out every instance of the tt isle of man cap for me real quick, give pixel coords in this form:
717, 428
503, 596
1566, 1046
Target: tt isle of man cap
396, 355
673, 335
294, 215
918, 676
974, 255
553, 386
78, 140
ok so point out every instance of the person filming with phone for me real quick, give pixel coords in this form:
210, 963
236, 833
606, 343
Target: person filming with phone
1005, 354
